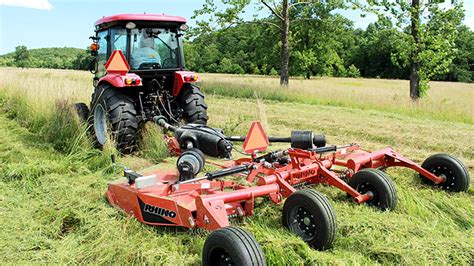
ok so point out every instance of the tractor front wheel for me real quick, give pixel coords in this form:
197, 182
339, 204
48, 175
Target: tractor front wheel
113, 114
379, 184
309, 215
232, 246
82, 111
451, 168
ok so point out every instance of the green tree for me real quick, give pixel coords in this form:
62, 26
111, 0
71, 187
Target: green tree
432, 29
376, 52
22, 56
462, 67
281, 17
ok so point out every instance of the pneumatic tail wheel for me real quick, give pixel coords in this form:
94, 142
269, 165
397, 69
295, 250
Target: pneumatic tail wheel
113, 114
449, 167
309, 215
379, 185
232, 246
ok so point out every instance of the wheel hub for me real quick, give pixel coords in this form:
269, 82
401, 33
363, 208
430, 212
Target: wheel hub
100, 124
367, 188
305, 223
223, 256
447, 174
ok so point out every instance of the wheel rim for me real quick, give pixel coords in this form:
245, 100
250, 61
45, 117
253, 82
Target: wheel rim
100, 124
303, 222
220, 256
446, 172
367, 187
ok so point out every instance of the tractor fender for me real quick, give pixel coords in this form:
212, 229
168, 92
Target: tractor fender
119, 80
181, 78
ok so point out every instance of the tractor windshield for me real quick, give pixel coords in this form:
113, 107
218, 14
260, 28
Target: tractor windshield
154, 48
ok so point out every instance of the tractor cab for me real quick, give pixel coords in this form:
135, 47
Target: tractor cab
151, 43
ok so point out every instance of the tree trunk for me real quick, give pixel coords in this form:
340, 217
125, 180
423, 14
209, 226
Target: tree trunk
415, 63
284, 76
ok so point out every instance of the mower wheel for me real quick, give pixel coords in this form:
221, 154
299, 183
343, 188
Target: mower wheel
232, 246
455, 172
379, 184
82, 111
192, 102
309, 215
114, 113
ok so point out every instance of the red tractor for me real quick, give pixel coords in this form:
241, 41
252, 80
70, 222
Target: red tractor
139, 73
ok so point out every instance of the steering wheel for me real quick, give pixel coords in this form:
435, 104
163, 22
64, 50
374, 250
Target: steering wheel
155, 65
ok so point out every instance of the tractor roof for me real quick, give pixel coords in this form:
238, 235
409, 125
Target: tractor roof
140, 17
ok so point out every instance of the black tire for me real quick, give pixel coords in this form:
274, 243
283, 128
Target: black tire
82, 111
194, 107
457, 176
381, 186
232, 246
309, 215
118, 117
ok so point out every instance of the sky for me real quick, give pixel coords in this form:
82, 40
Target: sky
69, 23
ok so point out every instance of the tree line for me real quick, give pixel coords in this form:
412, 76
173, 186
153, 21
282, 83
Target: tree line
334, 48
58, 58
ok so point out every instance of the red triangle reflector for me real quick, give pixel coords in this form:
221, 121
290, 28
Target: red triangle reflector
117, 63
256, 139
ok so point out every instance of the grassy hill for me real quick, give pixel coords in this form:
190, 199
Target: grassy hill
59, 58
52, 205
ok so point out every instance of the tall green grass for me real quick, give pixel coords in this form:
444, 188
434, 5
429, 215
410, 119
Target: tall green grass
444, 102
59, 129
284, 95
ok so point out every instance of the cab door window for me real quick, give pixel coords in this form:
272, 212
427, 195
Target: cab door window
119, 40
102, 53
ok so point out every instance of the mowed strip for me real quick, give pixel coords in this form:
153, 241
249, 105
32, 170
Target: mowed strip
52, 210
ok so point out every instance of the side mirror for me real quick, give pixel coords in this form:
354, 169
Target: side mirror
93, 65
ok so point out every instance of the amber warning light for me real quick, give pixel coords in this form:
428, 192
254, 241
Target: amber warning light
94, 47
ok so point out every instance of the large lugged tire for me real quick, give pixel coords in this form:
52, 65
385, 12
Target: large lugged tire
381, 186
82, 111
232, 246
194, 107
457, 176
114, 113
309, 215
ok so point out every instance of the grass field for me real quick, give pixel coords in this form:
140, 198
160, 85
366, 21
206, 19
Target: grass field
52, 208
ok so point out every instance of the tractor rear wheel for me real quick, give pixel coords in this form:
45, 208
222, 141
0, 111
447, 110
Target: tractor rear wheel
232, 246
309, 215
379, 184
114, 113
455, 172
194, 107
